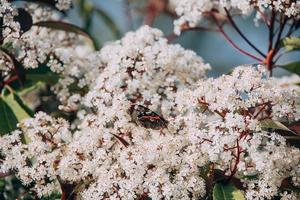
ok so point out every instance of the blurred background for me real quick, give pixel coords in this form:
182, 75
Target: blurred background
111, 19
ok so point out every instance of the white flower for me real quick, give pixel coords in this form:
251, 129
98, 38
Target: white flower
231, 134
63, 4
190, 12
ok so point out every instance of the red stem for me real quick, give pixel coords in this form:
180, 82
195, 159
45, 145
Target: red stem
241, 34
206, 140
237, 160
233, 44
271, 30
11, 79
259, 112
228, 149
267, 21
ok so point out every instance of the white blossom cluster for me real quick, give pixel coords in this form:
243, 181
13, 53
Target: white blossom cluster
109, 152
64, 53
226, 117
80, 68
109, 155
139, 69
289, 196
190, 12
63, 4
10, 28
39, 44
144, 69
32, 151
130, 70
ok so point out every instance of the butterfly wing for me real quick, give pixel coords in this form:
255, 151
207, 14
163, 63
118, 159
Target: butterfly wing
149, 119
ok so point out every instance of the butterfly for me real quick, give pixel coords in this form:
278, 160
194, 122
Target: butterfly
147, 118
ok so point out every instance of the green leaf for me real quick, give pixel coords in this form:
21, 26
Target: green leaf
228, 191
269, 123
11, 188
12, 111
42, 74
63, 26
8, 46
8, 120
50, 78
15, 102
30, 88
36, 79
291, 43
293, 67
250, 177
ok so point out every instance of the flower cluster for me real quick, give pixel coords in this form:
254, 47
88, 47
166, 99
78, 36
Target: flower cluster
143, 69
9, 27
131, 160
140, 69
62, 52
226, 118
32, 151
63, 4
38, 44
148, 120
190, 12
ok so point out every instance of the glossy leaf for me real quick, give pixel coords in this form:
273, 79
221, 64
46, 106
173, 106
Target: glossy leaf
50, 78
293, 67
42, 74
291, 43
12, 110
7, 46
30, 88
228, 191
20, 108
269, 123
295, 127
8, 120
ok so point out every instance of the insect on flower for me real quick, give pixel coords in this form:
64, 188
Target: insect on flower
146, 118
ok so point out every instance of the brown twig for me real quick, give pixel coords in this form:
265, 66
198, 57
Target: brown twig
237, 160
267, 21
271, 29
241, 34
232, 43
